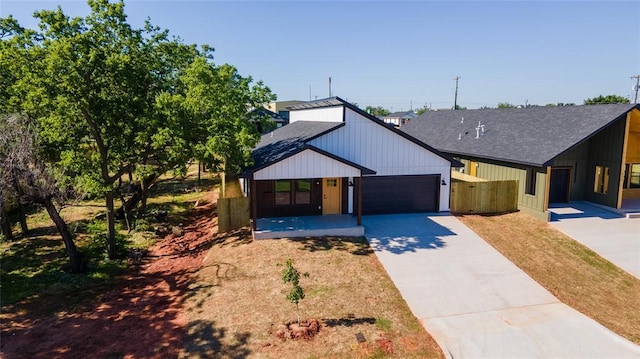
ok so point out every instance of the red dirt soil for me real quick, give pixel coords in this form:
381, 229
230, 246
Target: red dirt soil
143, 317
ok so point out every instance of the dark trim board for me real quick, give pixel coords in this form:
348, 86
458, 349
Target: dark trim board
400, 194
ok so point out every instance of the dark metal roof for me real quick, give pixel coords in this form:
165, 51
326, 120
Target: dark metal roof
286, 141
531, 136
325, 102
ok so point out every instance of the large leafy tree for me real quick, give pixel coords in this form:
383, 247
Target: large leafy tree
110, 99
221, 100
88, 83
422, 110
377, 110
31, 180
606, 99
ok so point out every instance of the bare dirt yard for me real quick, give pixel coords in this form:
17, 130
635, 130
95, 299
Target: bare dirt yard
197, 294
239, 301
142, 317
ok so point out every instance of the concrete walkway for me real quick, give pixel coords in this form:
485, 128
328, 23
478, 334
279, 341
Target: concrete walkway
474, 301
614, 237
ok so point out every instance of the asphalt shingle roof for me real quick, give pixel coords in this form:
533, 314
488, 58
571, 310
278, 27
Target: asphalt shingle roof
400, 114
530, 136
287, 140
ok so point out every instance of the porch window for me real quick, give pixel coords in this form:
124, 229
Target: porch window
530, 185
283, 193
303, 192
601, 183
634, 177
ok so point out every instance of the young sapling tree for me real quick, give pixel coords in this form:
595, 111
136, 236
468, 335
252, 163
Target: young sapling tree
292, 275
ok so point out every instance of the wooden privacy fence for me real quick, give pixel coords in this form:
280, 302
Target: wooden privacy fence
484, 197
233, 213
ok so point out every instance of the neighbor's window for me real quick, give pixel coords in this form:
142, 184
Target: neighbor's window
303, 191
283, 193
601, 183
634, 178
530, 184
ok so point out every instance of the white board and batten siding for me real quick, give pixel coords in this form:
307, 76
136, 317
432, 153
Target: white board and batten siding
373, 146
324, 114
306, 164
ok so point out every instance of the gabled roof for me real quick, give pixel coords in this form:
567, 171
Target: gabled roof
401, 114
337, 101
530, 136
267, 113
286, 141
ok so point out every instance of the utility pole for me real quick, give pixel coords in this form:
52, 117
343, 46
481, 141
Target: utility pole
329, 86
455, 99
635, 97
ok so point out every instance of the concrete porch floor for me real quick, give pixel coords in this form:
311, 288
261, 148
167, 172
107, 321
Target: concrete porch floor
630, 207
308, 226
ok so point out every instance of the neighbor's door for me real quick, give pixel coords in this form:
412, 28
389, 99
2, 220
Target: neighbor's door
331, 196
473, 168
559, 185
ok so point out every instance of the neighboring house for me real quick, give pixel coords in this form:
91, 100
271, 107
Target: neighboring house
558, 154
399, 119
334, 158
273, 119
281, 108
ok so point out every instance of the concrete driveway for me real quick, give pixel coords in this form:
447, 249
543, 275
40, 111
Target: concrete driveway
474, 301
614, 237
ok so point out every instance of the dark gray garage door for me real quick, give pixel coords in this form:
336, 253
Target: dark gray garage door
400, 194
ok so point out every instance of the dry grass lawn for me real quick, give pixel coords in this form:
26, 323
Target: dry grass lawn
239, 300
576, 275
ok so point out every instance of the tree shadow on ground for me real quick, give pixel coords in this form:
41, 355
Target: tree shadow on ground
353, 245
233, 238
139, 317
204, 340
402, 233
348, 321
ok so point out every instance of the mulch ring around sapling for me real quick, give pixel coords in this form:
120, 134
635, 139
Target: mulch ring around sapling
306, 330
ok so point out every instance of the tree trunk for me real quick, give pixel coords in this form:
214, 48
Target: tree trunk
199, 166
111, 226
75, 258
144, 194
5, 227
23, 219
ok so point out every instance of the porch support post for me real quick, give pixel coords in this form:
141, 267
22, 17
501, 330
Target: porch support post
254, 205
625, 144
359, 190
547, 188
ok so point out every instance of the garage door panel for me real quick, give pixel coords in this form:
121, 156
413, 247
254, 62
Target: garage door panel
400, 194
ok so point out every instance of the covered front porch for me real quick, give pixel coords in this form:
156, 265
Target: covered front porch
307, 226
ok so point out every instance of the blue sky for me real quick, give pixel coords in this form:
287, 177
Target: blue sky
403, 54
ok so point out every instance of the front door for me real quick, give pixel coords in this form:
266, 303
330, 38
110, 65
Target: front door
331, 196
473, 168
559, 185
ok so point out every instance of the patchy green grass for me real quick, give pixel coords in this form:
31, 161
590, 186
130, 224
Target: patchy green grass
34, 265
